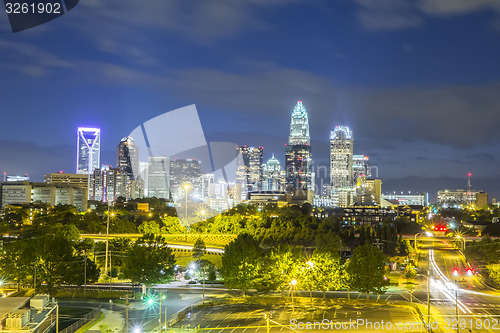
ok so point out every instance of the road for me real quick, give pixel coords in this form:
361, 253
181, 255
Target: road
456, 296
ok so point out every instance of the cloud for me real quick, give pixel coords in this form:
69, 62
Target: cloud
387, 14
401, 14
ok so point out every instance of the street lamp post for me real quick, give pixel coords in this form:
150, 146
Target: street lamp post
463, 242
293, 283
107, 243
186, 188
415, 242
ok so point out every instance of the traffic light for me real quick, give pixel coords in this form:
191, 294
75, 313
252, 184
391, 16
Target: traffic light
455, 272
469, 272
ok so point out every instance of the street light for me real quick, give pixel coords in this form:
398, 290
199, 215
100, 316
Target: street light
293, 283
107, 245
186, 188
415, 242
463, 240
428, 297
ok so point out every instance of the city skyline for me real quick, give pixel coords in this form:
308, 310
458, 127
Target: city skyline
406, 78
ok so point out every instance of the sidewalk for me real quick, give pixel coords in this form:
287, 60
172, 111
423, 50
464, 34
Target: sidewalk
112, 320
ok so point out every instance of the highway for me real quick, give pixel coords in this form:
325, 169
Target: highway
457, 296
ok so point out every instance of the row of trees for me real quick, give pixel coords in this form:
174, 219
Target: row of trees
246, 265
61, 258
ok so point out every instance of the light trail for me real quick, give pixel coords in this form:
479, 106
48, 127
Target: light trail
447, 285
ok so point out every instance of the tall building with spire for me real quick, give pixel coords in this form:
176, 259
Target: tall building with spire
299, 174
88, 152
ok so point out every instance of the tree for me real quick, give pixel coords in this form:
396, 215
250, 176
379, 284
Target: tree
54, 255
149, 228
199, 248
366, 270
149, 261
240, 262
327, 271
17, 261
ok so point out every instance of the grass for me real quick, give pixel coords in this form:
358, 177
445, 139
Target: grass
91, 323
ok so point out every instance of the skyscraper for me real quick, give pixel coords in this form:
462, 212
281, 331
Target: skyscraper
182, 171
158, 177
360, 167
88, 150
274, 179
249, 172
106, 184
127, 162
341, 148
298, 152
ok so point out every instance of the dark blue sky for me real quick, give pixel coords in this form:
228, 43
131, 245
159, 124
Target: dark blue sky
417, 81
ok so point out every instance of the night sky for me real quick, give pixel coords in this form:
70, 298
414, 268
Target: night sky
418, 82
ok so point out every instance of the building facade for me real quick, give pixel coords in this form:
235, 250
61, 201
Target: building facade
298, 164
88, 154
249, 168
26, 192
158, 173
273, 176
127, 162
360, 167
185, 171
341, 158
107, 184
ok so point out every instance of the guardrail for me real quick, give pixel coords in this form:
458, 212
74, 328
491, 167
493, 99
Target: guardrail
87, 318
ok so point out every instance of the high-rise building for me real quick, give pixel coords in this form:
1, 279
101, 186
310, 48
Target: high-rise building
298, 152
127, 162
185, 171
249, 169
341, 158
274, 177
158, 173
73, 179
106, 184
88, 150
360, 167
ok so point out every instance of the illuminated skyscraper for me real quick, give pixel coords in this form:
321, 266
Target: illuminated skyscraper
88, 152
341, 148
298, 152
274, 178
158, 177
360, 167
127, 162
250, 171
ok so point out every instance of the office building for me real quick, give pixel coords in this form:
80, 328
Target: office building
72, 179
107, 184
249, 168
459, 198
9, 178
360, 167
185, 171
420, 199
273, 176
88, 152
341, 158
127, 162
299, 175
158, 177
14, 193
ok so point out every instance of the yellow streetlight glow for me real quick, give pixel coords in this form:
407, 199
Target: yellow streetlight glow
310, 264
186, 187
294, 282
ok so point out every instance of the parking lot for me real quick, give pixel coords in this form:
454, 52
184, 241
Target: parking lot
236, 318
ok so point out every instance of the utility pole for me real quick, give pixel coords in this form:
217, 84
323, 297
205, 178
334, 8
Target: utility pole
126, 314
203, 284
159, 315
34, 282
428, 290
456, 306
85, 275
